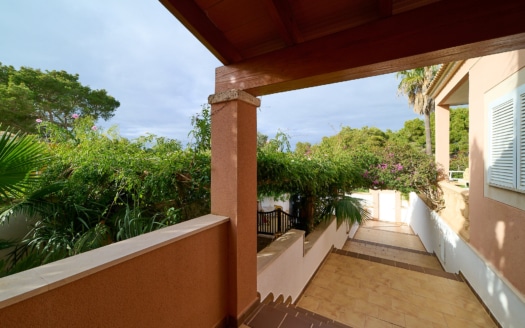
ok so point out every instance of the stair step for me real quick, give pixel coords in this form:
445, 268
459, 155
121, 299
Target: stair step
411, 267
281, 315
268, 316
410, 250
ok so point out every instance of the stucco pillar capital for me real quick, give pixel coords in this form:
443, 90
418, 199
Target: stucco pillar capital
234, 95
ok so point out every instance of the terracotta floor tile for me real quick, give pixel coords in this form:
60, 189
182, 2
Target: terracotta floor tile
376, 284
343, 300
437, 325
371, 322
329, 309
426, 292
401, 286
357, 293
395, 294
349, 281
443, 307
392, 316
351, 318
367, 308
309, 303
362, 293
404, 307
324, 295
455, 322
380, 299
477, 315
415, 322
430, 315
464, 301
389, 238
415, 299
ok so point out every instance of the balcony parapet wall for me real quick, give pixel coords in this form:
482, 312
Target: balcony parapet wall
456, 210
286, 266
176, 277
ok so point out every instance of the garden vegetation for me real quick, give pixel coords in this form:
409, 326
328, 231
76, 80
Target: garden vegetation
81, 187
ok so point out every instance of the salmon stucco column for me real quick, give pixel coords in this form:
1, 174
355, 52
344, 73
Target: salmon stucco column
234, 191
443, 137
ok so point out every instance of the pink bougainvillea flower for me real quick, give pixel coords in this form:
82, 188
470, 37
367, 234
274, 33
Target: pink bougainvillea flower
38, 120
94, 128
75, 116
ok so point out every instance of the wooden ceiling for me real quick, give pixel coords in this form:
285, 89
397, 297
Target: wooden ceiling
269, 46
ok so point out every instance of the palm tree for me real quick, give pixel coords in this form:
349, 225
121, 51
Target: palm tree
414, 84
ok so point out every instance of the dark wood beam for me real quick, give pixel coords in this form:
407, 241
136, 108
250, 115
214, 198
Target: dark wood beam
385, 8
282, 16
441, 32
196, 21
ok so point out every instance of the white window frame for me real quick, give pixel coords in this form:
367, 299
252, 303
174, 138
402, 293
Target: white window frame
506, 166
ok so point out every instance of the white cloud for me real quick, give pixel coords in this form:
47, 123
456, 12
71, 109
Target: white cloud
161, 74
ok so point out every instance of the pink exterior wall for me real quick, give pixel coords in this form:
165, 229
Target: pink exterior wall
180, 284
442, 136
497, 230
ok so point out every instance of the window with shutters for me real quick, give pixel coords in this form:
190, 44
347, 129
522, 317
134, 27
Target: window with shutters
507, 141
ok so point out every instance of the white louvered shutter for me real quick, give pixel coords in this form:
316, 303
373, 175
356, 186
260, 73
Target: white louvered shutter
502, 169
521, 140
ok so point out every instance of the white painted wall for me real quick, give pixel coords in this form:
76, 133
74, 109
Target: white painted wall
387, 206
285, 267
504, 301
19, 225
267, 204
367, 200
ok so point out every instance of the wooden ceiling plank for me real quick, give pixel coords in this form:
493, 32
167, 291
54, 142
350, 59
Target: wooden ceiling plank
196, 21
281, 13
385, 8
454, 32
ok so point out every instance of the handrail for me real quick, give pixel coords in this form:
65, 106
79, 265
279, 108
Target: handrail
277, 221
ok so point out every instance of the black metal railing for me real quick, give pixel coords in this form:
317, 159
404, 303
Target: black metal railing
277, 221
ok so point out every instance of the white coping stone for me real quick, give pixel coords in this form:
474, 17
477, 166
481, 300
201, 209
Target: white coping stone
272, 252
23, 285
234, 94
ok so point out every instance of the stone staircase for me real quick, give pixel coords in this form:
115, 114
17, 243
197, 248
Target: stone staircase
279, 314
383, 277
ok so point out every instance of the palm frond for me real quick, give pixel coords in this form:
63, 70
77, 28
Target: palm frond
21, 155
351, 210
34, 203
5, 244
346, 209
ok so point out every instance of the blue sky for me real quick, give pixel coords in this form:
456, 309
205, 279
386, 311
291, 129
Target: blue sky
139, 53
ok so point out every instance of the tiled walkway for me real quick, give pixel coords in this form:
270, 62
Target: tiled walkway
375, 282
372, 232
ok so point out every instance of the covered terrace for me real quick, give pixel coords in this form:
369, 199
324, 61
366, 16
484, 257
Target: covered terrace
203, 272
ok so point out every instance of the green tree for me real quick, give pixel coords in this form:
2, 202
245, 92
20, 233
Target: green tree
459, 129
303, 148
349, 138
262, 139
413, 132
16, 107
29, 94
414, 84
459, 143
201, 132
